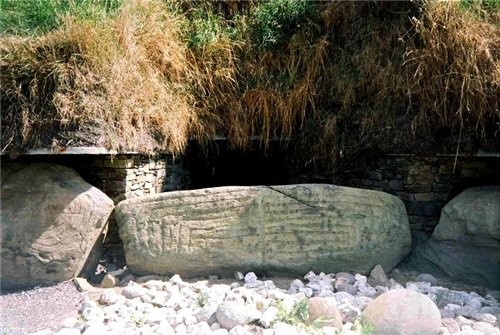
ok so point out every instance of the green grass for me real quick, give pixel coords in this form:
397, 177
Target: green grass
274, 22
486, 10
298, 316
363, 326
486, 5
36, 17
205, 28
28, 17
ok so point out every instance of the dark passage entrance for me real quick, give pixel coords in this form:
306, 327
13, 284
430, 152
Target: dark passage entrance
218, 165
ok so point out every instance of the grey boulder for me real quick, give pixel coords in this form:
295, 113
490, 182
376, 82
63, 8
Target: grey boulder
274, 230
51, 219
465, 245
230, 314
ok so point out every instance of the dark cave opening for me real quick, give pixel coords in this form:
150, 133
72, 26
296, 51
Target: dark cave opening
219, 165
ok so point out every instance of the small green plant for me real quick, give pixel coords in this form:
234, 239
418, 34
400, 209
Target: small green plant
489, 6
364, 326
301, 310
202, 299
274, 22
204, 28
298, 316
94, 9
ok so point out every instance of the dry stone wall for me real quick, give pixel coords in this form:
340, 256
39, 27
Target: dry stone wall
131, 176
425, 184
120, 176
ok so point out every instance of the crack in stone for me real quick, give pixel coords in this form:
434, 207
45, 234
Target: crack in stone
298, 200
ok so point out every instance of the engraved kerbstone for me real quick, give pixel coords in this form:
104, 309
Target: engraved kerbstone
276, 230
51, 221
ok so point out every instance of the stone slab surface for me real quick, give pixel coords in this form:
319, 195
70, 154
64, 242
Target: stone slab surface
51, 219
273, 230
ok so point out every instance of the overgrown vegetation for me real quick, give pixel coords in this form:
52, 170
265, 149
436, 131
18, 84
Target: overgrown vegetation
336, 79
125, 76
298, 316
34, 17
274, 22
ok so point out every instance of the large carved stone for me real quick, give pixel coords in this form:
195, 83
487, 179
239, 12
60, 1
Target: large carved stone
51, 219
275, 230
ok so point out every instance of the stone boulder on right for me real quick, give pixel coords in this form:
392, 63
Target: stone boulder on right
465, 246
402, 312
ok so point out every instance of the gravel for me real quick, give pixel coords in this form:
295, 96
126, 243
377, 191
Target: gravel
157, 305
29, 311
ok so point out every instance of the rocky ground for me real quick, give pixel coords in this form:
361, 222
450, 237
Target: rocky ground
339, 303
28, 311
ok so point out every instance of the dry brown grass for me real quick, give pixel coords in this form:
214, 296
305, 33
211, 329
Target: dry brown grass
456, 78
359, 76
392, 84
126, 76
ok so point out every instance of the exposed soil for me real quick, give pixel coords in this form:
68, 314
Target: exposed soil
40, 308
29, 311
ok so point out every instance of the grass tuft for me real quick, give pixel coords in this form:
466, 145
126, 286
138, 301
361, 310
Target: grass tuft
336, 79
455, 68
125, 76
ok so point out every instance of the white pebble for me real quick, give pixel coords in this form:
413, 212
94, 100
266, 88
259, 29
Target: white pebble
68, 331
95, 329
133, 290
268, 317
94, 314
215, 326
238, 330
178, 307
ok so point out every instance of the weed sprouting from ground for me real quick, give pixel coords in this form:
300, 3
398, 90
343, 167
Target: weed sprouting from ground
363, 326
298, 315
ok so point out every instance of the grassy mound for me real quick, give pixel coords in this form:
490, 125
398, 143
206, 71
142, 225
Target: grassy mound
123, 76
337, 79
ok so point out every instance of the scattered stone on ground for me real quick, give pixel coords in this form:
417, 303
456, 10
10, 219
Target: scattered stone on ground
28, 311
311, 305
